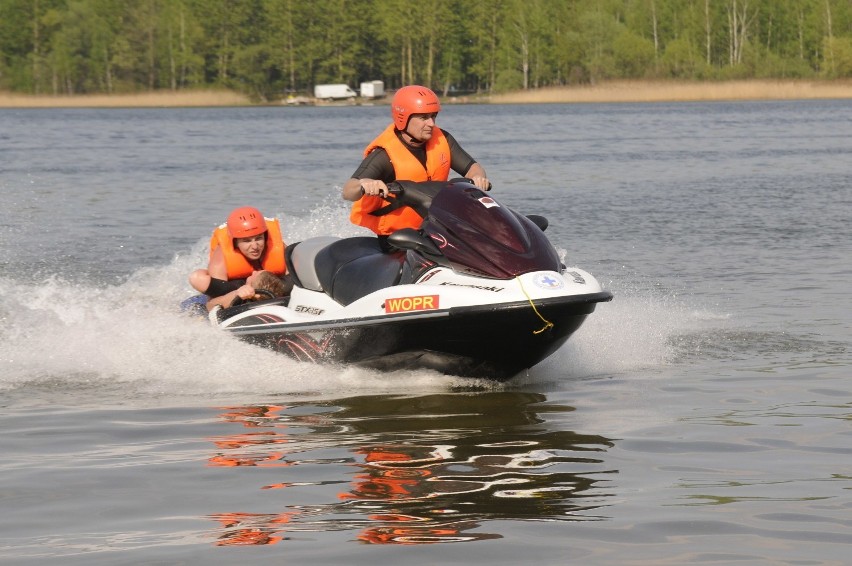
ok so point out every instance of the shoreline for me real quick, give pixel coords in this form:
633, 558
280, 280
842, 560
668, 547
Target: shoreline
609, 92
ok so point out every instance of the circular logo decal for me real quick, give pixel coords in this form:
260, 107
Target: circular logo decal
548, 281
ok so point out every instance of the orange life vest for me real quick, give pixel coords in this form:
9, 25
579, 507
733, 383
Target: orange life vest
406, 167
237, 264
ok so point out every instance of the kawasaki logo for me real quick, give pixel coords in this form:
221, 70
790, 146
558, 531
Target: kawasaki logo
482, 287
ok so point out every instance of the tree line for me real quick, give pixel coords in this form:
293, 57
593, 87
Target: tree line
267, 48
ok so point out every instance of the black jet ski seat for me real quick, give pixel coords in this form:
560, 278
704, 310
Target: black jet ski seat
345, 269
301, 257
352, 268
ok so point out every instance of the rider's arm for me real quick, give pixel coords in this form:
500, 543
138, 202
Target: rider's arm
213, 281
352, 189
216, 266
372, 175
244, 292
462, 163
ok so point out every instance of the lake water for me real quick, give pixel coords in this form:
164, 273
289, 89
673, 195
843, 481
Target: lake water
701, 417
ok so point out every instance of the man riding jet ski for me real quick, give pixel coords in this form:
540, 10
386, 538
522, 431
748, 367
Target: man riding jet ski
477, 291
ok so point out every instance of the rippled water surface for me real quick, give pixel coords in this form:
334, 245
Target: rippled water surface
701, 417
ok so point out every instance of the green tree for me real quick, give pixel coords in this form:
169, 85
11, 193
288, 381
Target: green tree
599, 28
21, 44
569, 47
633, 55
482, 26
81, 57
26, 28
838, 62
266, 47
228, 25
180, 46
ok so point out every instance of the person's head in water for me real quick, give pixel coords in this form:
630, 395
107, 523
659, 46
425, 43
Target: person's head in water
267, 281
259, 285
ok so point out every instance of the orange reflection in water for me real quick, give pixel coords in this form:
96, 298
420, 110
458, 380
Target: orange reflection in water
401, 474
407, 529
380, 480
250, 528
251, 449
424, 481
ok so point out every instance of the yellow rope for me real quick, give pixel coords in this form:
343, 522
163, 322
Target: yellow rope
547, 324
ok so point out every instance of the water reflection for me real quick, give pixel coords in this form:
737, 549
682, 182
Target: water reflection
256, 448
242, 529
414, 470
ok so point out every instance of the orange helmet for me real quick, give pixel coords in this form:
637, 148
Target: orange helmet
245, 222
413, 99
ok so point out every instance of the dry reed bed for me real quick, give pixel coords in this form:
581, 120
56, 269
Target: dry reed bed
624, 91
678, 91
142, 100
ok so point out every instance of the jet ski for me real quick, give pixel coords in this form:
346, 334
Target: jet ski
478, 291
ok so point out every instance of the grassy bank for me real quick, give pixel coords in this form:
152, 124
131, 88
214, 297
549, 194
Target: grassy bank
623, 91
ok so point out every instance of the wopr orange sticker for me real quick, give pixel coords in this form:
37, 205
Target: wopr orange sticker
408, 304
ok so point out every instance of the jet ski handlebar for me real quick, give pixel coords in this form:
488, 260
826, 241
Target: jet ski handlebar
430, 188
394, 188
418, 194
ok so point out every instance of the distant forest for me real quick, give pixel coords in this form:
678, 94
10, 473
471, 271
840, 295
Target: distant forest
268, 48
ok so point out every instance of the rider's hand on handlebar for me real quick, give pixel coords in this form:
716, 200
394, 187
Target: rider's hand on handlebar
482, 183
374, 188
246, 292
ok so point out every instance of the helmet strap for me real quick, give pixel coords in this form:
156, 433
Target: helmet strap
411, 139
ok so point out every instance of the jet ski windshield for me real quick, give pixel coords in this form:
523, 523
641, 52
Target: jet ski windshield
479, 236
